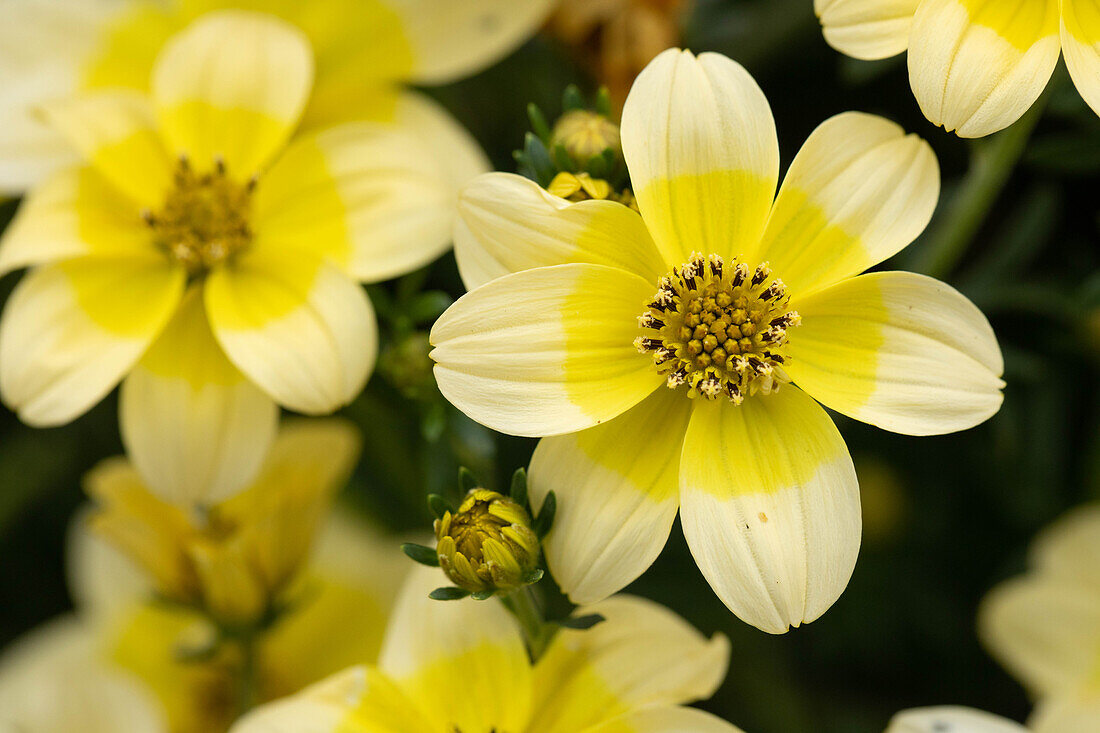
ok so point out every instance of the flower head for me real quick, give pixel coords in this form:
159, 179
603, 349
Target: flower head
976, 66
488, 544
673, 358
464, 667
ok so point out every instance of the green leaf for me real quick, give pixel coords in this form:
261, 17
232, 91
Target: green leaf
545, 519
518, 491
448, 593
563, 160
421, 554
581, 623
538, 122
533, 577
482, 595
539, 159
572, 99
467, 482
438, 506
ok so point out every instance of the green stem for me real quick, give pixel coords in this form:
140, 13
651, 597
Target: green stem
247, 684
992, 162
536, 630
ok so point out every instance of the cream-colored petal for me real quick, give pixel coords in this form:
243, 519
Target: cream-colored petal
949, 719
451, 144
298, 327
545, 351
1045, 631
665, 720
116, 132
71, 331
1070, 548
232, 86
1067, 713
858, 191
901, 351
867, 29
977, 65
770, 507
196, 428
53, 680
641, 655
373, 198
700, 143
452, 40
507, 223
465, 661
1081, 45
617, 488
73, 213
103, 581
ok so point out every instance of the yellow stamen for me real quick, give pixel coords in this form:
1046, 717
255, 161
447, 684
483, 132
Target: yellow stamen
719, 328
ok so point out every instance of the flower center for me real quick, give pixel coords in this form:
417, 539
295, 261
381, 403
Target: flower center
204, 220
719, 328
487, 544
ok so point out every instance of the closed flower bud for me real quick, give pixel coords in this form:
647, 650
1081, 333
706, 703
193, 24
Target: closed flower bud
585, 135
488, 544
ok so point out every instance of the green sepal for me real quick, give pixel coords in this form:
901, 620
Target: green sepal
581, 623
467, 482
545, 520
572, 99
538, 122
603, 101
563, 160
421, 554
448, 593
538, 158
518, 491
533, 577
482, 595
438, 506
597, 166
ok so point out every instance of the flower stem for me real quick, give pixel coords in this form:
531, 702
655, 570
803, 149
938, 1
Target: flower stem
992, 162
247, 683
537, 632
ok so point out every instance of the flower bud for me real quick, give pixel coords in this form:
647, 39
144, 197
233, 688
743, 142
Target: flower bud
586, 134
488, 544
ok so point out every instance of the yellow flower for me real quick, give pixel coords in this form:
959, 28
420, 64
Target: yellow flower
1044, 626
580, 317
209, 257
950, 719
463, 666
335, 613
366, 51
975, 65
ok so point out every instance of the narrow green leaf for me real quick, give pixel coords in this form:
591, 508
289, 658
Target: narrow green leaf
539, 159
563, 160
545, 519
572, 98
421, 554
518, 491
533, 577
482, 595
538, 122
448, 593
581, 623
467, 481
438, 506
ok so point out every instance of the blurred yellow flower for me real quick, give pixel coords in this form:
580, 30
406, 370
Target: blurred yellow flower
365, 53
562, 335
1044, 626
158, 656
208, 252
462, 666
975, 65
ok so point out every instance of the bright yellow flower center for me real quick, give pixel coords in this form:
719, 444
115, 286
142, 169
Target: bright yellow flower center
205, 218
487, 544
719, 328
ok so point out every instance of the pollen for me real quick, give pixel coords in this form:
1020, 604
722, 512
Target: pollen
718, 328
205, 218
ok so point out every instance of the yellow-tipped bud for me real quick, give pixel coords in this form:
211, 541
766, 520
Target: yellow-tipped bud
488, 544
586, 134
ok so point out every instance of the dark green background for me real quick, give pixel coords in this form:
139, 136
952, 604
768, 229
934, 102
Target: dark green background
964, 506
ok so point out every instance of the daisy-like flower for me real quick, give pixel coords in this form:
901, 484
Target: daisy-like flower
1044, 626
125, 637
211, 257
593, 324
976, 66
463, 666
366, 51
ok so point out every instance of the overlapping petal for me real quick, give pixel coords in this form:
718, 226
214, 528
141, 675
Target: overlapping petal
196, 428
770, 507
70, 332
545, 351
901, 351
232, 86
977, 65
665, 720
617, 488
700, 142
867, 29
1081, 45
508, 223
297, 326
373, 198
1069, 549
1075, 712
858, 191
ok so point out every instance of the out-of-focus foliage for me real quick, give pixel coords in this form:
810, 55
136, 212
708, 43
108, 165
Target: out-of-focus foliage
947, 517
